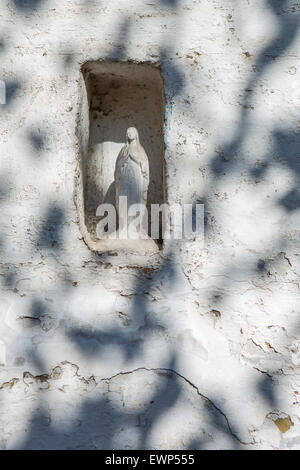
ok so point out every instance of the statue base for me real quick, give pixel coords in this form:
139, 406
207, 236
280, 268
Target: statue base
131, 246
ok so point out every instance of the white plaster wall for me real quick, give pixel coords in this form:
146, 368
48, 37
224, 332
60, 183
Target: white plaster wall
201, 348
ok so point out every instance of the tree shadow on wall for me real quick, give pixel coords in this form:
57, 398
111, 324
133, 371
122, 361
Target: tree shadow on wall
170, 3
225, 161
110, 422
51, 233
27, 6
97, 421
12, 87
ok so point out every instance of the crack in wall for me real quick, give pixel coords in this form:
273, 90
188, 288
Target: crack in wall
56, 372
193, 386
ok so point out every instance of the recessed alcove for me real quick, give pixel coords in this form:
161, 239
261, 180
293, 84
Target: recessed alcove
118, 95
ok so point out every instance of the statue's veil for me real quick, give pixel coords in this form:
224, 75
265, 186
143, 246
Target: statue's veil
135, 133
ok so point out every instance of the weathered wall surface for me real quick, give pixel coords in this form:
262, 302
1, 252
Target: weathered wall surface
201, 348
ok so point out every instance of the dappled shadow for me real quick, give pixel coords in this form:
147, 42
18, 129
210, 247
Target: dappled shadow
111, 422
99, 423
286, 154
12, 87
118, 52
37, 140
230, 158
9, 278
288, 28
91, 341
51, 234
267, 390
170, 3
27, 6
68, 59
2, 45
5, 187
175, 76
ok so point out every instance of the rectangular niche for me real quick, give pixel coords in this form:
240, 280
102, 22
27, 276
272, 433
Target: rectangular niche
118, 95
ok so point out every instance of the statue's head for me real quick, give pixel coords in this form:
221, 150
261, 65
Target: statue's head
132, 134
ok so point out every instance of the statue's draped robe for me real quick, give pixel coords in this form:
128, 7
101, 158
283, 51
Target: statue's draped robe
132, 175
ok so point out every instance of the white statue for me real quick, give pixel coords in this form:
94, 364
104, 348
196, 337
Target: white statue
131, 177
